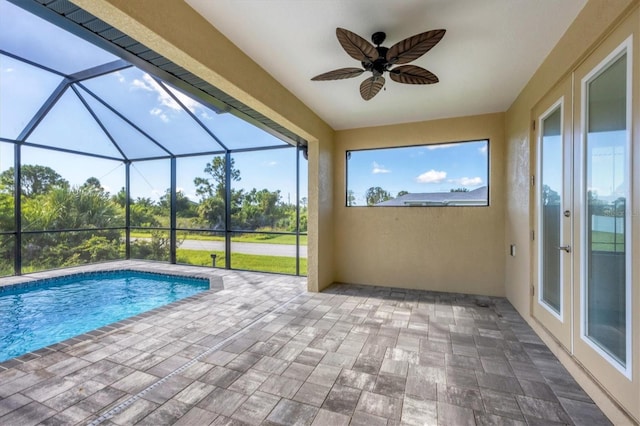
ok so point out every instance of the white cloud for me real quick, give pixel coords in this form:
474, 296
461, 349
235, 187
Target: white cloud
160, 114
8, 70
432, 176
271, 163
139, 84
164, 98
441, 146
165, 101
378, 168
484, 149
467, 181
119, 76
168, 101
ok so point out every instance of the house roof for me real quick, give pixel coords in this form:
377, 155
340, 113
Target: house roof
475, 197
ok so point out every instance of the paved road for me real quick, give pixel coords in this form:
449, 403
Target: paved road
246, 248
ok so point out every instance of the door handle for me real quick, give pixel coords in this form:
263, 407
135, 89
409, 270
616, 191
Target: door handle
565, 248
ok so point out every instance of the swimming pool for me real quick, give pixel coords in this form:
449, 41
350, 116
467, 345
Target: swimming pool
41, 313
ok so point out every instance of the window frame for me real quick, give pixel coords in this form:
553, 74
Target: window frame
425, 204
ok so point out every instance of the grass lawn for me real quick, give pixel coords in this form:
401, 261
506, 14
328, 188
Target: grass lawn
607, 241
250, 262
245, 238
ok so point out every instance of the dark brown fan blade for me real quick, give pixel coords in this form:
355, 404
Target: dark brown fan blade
357, 47
412, 48
339, 74
370, 87
411, 74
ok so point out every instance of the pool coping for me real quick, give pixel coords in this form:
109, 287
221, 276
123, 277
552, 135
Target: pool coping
216, 284
34, 278
213, 282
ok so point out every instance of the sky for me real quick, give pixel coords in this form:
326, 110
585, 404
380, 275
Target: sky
141, 100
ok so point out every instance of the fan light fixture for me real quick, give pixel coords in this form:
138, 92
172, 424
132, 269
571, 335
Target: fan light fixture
379, 60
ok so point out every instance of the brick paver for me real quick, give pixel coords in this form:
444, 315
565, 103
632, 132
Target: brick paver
258, 349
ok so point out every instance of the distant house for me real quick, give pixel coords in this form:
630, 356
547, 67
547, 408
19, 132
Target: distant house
477, 197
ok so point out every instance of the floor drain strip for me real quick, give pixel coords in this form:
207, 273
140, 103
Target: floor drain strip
120, 407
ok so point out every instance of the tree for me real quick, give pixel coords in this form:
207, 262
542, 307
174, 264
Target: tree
7, 221
98, 248
157, 248
259, 209
34, 179
211, 189
351, 198
304, 220
619, 207
184, 206
462, 189
92, 183
401, 193
214, 185
549, 196
289, 214
121, 198
71, 208
595, 206
375, 195
212, 212
143, 213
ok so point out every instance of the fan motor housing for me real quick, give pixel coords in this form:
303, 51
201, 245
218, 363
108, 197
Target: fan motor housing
378, 38
379, 65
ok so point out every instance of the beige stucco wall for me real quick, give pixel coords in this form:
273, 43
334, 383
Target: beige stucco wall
458, 249
175, 30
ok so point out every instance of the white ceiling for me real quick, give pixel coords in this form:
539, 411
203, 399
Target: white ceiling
491, 49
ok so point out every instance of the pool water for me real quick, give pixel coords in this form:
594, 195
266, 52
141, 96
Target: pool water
50, 311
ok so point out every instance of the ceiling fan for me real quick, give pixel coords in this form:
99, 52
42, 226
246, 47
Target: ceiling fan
379, 60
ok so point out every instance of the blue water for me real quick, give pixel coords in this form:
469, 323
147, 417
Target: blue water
54, 310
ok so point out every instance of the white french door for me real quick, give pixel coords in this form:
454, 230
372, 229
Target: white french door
586, 267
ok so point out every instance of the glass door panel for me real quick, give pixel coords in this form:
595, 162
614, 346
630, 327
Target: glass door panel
553, 211
605, 227
551, 166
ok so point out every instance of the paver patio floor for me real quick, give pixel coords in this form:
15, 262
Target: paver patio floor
259, 349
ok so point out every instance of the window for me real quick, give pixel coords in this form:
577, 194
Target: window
447, 174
